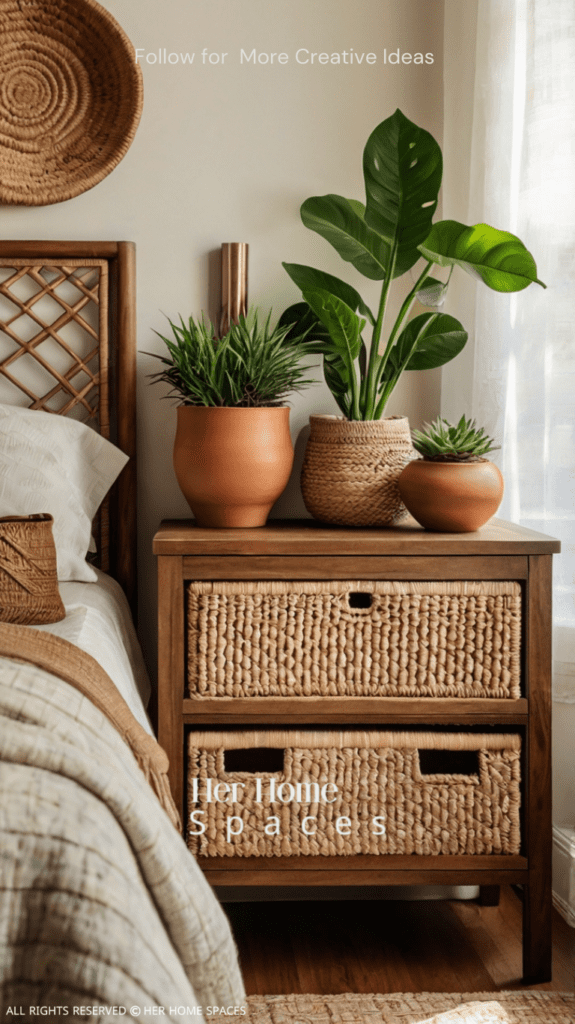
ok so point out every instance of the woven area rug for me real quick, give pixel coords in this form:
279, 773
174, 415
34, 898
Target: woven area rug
523, 1007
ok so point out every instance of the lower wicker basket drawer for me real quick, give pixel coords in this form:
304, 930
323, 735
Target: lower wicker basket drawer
349, 638
307, 793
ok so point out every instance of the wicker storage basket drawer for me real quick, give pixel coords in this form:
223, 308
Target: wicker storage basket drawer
354, 639
312, 793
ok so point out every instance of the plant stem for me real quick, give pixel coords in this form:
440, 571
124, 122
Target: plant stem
385, 396
374, 357
390, 386
407, 304
362, 391
355, 393
397, 327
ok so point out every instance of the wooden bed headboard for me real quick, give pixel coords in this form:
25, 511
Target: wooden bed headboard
68, 346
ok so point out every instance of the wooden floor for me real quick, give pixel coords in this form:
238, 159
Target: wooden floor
389, 946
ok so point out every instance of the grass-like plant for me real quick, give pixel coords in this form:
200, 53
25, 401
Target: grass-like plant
383, 239
442, 441
249, 367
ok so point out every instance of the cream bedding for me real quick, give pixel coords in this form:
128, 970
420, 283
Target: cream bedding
101, 904
98, 621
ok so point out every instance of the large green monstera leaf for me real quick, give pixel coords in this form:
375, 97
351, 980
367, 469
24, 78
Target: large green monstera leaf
402, 167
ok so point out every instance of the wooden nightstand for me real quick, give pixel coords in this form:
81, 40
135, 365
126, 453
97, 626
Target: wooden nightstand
306, 550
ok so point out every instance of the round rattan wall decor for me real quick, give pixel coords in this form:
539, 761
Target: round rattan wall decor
71, 97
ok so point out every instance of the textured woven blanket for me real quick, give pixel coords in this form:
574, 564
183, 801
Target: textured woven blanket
102, 907
79, 669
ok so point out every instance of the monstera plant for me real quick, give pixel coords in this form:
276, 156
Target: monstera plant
384, 239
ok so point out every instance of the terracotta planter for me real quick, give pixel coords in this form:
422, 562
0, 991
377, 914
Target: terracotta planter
232, 464
453, 497
350, 470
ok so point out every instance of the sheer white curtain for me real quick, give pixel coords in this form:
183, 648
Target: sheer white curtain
522, 179
510, 132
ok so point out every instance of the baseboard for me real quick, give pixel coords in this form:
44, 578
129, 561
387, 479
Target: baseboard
564, 872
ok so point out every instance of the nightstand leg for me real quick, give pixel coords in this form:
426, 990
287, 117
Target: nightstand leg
537, 948
489, 895
537, 789
171, 671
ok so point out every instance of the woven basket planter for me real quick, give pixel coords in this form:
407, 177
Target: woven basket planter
29, 592
300, 639
70, 98
350, 470
387, 793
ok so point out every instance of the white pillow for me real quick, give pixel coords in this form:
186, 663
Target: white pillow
50, 463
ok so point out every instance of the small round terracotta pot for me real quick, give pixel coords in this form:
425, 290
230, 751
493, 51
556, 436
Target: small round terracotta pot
232, 464
451, 497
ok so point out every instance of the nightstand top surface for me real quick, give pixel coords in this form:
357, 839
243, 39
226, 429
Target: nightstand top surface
307, 536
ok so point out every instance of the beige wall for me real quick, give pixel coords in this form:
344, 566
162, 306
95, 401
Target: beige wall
227, 152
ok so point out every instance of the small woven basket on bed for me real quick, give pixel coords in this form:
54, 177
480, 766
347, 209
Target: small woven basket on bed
70, 98
29, 592
398, 778
354, 638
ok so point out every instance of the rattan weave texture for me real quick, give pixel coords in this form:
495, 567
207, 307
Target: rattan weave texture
29, 592
351, 468
71, 97
517, 1007
377, 775
428, 639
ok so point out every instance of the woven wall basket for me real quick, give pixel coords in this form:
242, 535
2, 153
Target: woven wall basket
433, 793
71, 97
29, 592
350, 470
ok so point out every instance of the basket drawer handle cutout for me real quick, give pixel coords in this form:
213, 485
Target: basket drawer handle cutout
359, 599
267, 760
449, 762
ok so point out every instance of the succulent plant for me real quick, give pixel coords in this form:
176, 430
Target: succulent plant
442, 441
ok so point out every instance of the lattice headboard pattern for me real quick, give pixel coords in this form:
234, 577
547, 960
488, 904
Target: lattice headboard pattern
56, 320
67, 346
